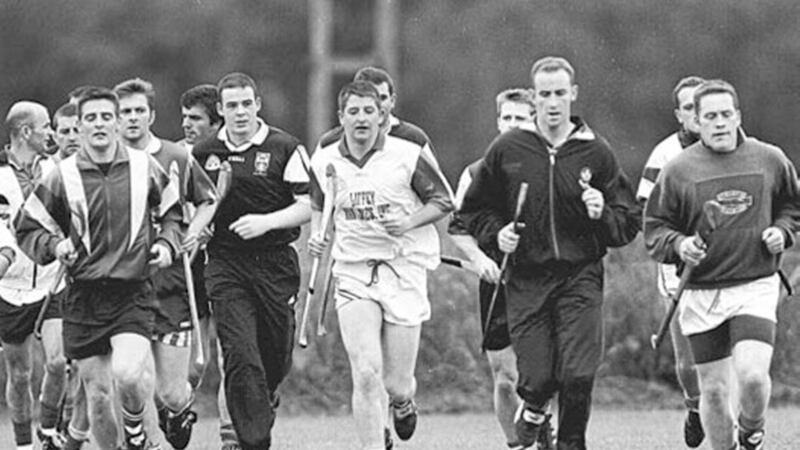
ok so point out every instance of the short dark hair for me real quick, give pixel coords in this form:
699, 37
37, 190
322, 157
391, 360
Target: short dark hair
514, 95
137, 86
65, 110
236, 80
357, 88
376, 76
97, 93
717, 86
552, 64
683, 83
205, 96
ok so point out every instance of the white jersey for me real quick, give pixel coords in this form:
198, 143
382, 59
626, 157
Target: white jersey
397, 177
663, 153
25, 282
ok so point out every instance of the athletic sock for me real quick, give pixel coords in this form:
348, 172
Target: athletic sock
748, 425
48, 416
132, 422
23, 436
227, 434
692, 404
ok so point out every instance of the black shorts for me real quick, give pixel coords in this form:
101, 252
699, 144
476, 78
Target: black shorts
172, 300
497, 337
718, 343
17, 322
96, 310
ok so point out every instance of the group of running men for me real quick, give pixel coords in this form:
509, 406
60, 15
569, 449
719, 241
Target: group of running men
121, 213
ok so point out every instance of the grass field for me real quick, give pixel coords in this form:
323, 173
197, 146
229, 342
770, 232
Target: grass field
608, 430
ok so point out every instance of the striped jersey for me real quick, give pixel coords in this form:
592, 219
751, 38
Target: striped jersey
269, 173
664, 152
398, 176
110, 215
25, 281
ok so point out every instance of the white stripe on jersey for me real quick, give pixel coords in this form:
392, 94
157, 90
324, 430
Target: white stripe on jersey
296, 170
140, 173
663, 153
463, 186
76, 197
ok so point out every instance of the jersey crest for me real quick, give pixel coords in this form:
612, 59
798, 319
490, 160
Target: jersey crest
261, 164
212, 163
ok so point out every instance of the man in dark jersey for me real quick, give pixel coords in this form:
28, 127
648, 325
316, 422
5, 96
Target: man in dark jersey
579, 203
727, 206
253, 272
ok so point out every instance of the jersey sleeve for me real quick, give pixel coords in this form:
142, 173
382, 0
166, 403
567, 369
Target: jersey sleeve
199, 189
429, 183
296, 173
40, 223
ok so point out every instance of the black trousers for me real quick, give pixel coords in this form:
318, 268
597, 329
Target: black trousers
255, 324
556, 325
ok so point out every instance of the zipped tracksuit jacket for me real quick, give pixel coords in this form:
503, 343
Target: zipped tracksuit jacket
554, 288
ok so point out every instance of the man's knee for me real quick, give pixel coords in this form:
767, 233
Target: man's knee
56, 366
131, 373
715, 392
505, 377
98, 396
366, 377
753, 379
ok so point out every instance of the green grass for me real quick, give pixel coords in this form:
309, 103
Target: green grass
608, 430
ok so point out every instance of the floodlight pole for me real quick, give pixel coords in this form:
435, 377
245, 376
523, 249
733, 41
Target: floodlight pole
325, 65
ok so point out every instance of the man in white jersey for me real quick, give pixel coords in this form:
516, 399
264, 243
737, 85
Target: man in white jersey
666, 150
389, 192
24, 284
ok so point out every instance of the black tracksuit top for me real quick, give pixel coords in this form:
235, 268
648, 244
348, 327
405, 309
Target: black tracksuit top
558, 230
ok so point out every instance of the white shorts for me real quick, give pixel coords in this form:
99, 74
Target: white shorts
703, 310
397, 286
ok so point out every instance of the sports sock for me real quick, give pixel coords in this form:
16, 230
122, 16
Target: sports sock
132, 422
692, 404
748, 425
48, 416
22, 434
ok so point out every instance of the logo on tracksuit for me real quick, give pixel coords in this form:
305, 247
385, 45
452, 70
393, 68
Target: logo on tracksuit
261, 163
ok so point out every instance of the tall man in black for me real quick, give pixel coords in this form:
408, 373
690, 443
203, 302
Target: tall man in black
578, 204
253, 271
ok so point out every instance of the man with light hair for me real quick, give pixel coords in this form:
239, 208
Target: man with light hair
579, 204
173, 327
515, 109
24, 283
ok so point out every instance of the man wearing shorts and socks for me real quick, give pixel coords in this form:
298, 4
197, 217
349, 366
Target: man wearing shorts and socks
389, 192
514, 109
741, 197
24, 284
173, 328
579, 203
74, 419
253, 271
201, 121
95, 214
667, 279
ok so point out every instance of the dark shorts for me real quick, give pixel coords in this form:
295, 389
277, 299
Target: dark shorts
718, 343
497, 337
94, 311
172, 300
17, 322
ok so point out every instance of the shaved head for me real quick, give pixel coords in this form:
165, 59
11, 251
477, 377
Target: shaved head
23, 113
